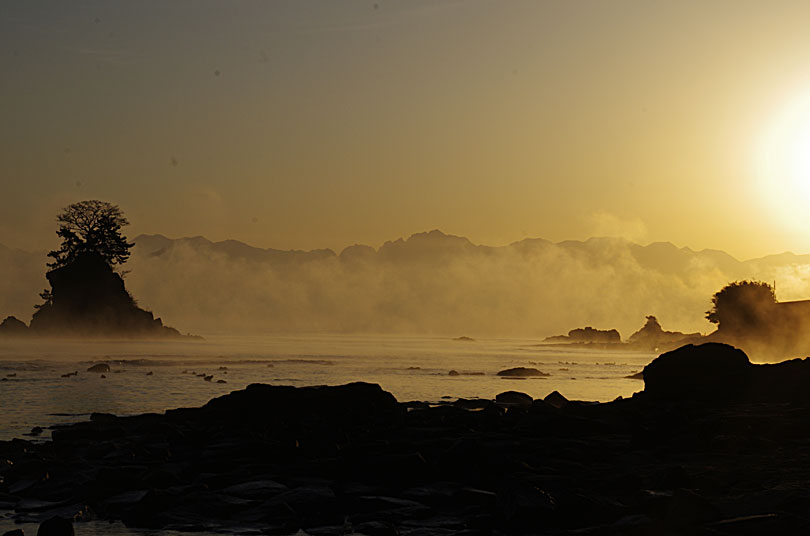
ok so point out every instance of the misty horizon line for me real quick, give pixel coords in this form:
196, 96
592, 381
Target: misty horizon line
439, 234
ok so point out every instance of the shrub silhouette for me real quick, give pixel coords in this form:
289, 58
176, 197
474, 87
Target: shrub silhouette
91, 227
742, 306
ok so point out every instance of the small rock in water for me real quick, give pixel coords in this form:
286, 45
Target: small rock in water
55, 526
150, 373
99, 367
36, 430
453, 373
102, 376
13, 375
522, 372
208, 378
221, 381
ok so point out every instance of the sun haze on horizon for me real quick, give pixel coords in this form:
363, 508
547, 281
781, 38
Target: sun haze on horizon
319, 124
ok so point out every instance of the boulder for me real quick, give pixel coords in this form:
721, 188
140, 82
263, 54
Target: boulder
356, 403
55, 526
99, 367
513, 398
555, 399
711, 371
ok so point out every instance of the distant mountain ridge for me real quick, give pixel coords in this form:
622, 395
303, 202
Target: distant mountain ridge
663, 256
429, 282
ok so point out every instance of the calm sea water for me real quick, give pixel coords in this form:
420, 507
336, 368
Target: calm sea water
155, 376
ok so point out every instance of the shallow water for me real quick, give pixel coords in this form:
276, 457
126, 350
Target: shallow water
35, 393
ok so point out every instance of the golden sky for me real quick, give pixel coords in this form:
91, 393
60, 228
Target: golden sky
307, 124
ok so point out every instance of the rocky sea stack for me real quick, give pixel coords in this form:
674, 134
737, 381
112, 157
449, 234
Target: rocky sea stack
89, 299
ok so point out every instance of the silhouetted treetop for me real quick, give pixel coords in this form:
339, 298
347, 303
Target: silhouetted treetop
91, 227
742, 305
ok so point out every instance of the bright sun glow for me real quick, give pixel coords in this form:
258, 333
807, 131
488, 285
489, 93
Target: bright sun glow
784, 164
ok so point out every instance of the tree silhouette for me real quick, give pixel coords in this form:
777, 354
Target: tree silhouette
742, 306
91, 227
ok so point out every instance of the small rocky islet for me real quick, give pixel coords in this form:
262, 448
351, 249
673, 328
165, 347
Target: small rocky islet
712, 445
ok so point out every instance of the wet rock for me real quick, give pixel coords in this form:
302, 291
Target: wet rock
255, 489
524, 504
15, 532
522, 372
471, 404
514, 398
453, 373
555, 399
375, 528
99, 367
55, 526
688, 509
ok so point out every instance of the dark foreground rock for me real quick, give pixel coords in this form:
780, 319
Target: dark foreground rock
337, 460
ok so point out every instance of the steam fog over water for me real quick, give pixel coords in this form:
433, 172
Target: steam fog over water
429, 283
412, 368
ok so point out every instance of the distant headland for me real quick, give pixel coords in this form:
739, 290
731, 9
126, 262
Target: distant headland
746, 313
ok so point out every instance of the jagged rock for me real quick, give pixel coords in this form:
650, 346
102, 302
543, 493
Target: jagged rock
652, 335
556, 400
89, 299
522, 372
588, 335
13, 327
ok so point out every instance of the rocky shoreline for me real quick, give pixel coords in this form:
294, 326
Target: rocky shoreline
713, 445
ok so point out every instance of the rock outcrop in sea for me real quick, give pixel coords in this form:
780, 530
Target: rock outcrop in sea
89, 299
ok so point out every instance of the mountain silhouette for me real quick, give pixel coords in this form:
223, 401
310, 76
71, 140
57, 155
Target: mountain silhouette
429, 282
